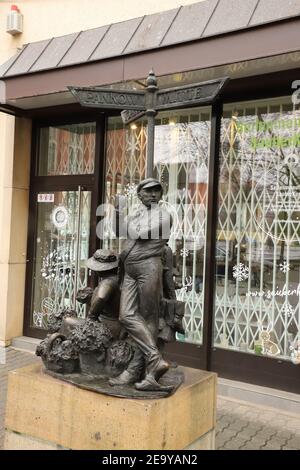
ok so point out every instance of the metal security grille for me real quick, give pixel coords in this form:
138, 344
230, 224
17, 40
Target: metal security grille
257, 308
181, 163
67, 150
125, 168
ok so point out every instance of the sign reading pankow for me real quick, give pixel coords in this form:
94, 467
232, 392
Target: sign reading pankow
106, 98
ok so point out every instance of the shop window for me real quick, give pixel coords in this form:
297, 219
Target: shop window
67, 150
257, 301
182, 141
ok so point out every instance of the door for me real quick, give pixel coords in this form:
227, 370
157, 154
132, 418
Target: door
61, 248
64, 193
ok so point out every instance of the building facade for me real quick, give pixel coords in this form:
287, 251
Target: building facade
230, 170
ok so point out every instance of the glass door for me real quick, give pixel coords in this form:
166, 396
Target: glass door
61, 248
65, 191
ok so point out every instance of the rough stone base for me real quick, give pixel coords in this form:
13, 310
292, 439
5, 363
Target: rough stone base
46, 413
15, 441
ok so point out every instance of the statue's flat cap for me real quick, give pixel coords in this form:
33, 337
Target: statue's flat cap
148, 183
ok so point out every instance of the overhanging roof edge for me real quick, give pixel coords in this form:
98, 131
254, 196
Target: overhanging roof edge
163, 22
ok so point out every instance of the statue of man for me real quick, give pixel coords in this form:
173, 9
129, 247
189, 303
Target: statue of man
148, 231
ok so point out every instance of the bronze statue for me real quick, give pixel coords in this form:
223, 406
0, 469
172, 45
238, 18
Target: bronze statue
105, 300
100, 328
148, 230
132, 312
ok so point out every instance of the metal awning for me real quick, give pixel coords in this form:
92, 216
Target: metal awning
206, 34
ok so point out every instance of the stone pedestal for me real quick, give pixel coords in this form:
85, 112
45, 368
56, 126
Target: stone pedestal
46, 413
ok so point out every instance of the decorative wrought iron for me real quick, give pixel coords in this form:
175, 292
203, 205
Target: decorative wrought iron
258, 228
181, 164
70, 150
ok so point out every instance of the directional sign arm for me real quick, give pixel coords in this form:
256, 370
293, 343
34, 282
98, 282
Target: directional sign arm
129, 116
106, 98
190, 95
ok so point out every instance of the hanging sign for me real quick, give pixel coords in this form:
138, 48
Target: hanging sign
130, 115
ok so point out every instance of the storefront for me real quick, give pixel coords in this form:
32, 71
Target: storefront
231, 175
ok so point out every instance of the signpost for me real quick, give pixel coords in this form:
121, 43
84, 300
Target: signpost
135, 104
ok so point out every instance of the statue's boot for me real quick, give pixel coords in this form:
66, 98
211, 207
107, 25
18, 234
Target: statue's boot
133, 373
157, 367
149, 384
125, 378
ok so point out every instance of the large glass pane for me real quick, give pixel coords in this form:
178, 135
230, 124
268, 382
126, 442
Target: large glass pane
55, 258
257, 308
67, 150
181, 163
125, 168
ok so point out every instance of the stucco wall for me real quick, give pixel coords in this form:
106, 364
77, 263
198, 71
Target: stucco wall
15, 144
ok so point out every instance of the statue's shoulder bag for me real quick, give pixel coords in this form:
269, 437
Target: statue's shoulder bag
172, 311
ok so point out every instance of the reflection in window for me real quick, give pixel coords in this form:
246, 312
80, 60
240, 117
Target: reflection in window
258, 253
181, 163
67, 150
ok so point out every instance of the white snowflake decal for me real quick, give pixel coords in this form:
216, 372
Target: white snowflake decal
38, 319
184, 252
130, 190
56, 265
288, 310
284, 267
240, 272
48, 306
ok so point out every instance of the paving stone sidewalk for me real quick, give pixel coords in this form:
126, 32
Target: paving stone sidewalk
243, 426
240, 425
